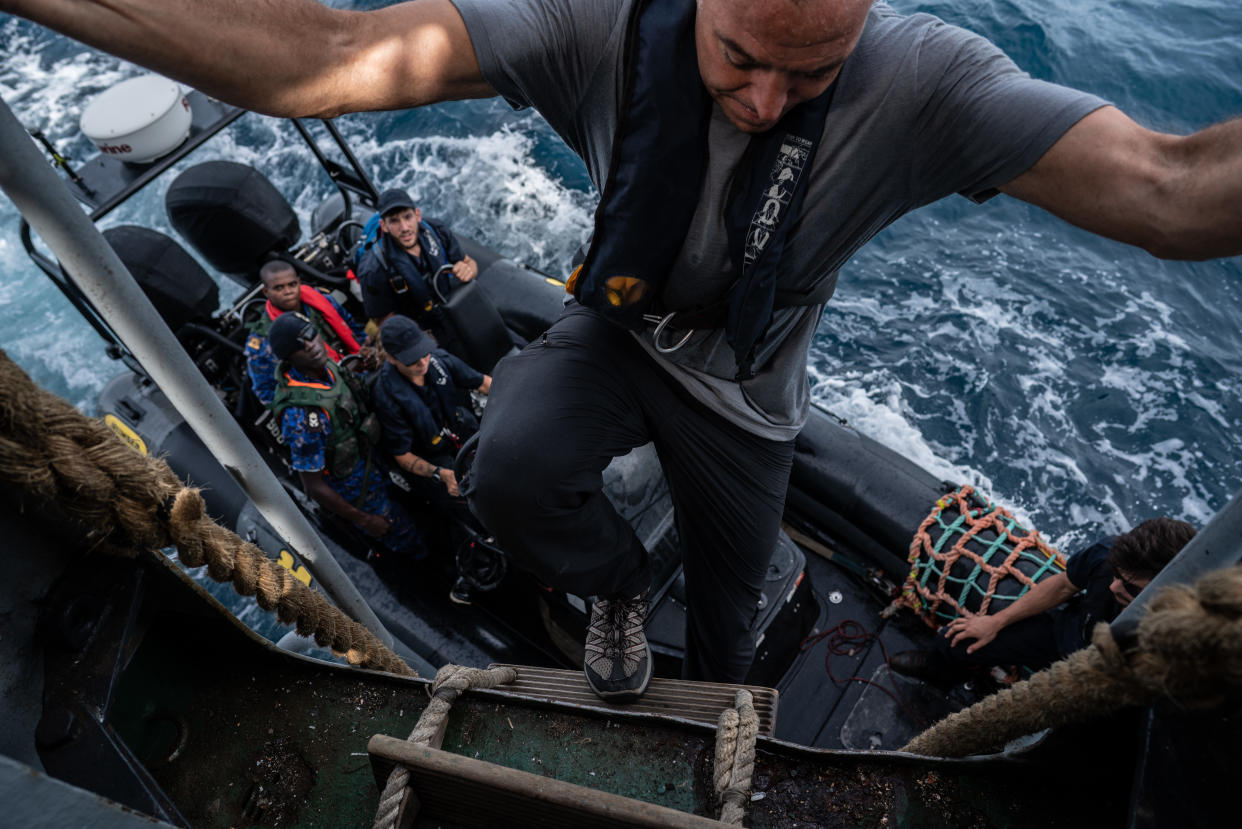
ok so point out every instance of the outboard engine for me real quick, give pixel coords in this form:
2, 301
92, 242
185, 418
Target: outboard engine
232, 215
173, 280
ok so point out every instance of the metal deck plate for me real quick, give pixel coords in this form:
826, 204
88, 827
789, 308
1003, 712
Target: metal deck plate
695, 701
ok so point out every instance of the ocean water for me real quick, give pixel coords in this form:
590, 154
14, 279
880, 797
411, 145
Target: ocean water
1083, 383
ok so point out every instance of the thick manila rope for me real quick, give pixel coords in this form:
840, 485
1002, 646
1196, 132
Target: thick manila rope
129, 501
450, 683
1189, 651
736, 732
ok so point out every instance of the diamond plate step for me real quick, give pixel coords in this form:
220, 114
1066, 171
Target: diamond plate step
695, 701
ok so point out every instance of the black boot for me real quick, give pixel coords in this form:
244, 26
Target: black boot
462, 591
928, 665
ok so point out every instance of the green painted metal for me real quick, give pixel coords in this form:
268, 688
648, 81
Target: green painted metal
239, 733
599, 754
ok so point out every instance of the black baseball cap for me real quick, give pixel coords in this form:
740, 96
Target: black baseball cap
394, 199
404, 340
289, 333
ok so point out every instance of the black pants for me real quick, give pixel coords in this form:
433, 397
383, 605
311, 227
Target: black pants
558, 413
1030, 643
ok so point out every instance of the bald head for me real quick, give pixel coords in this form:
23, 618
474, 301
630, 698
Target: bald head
761, 58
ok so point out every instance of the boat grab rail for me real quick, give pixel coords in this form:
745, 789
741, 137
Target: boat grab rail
131, 501
97, 272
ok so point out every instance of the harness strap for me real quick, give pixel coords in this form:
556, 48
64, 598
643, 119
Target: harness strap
397, 280
715, 314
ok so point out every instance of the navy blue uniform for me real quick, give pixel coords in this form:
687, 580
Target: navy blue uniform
427, 421
386, 261
417, 418
1037, 641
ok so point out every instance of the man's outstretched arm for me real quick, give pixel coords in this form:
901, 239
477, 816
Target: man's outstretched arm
1043, 596
282, 57
1177, 197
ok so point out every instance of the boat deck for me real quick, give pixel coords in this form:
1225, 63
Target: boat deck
857, 711
868, 706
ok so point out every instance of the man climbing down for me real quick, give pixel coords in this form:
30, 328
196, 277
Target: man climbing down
744, 150
285, 292
332, 436
1036, 630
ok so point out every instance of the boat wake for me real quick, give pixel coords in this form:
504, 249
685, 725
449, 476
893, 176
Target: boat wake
1082, 383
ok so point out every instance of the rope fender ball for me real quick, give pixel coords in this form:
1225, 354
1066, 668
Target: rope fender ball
1189, 651
130, 501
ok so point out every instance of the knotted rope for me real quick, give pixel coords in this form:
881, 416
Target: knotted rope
130, 501
735, 757
1189, 651
450, 683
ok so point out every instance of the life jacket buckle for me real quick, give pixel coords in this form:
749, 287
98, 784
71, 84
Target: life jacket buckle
661, 322
398, 283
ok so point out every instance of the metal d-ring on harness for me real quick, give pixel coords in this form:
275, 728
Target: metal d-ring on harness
661, 322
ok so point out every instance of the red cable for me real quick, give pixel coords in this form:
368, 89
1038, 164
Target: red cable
847, 639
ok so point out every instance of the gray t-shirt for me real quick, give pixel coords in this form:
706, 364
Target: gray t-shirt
922, 110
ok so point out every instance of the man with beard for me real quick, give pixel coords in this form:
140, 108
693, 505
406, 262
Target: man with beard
396, 272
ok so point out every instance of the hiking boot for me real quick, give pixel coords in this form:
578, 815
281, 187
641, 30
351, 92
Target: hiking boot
618, 658
462, 592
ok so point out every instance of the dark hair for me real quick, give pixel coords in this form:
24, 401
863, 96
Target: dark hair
270, 269
1144, 550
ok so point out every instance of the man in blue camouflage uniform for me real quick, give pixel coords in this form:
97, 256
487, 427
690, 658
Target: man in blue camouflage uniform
331, 436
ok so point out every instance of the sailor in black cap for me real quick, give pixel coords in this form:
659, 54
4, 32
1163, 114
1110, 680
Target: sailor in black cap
410, 251
419, 397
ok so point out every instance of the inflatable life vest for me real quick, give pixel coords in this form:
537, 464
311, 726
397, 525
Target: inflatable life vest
337, 338
403, 275
456, 424
354, 429
652, 190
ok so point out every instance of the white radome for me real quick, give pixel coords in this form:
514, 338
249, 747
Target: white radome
138, 120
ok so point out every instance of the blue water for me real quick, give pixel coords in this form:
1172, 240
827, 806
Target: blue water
1083, 383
